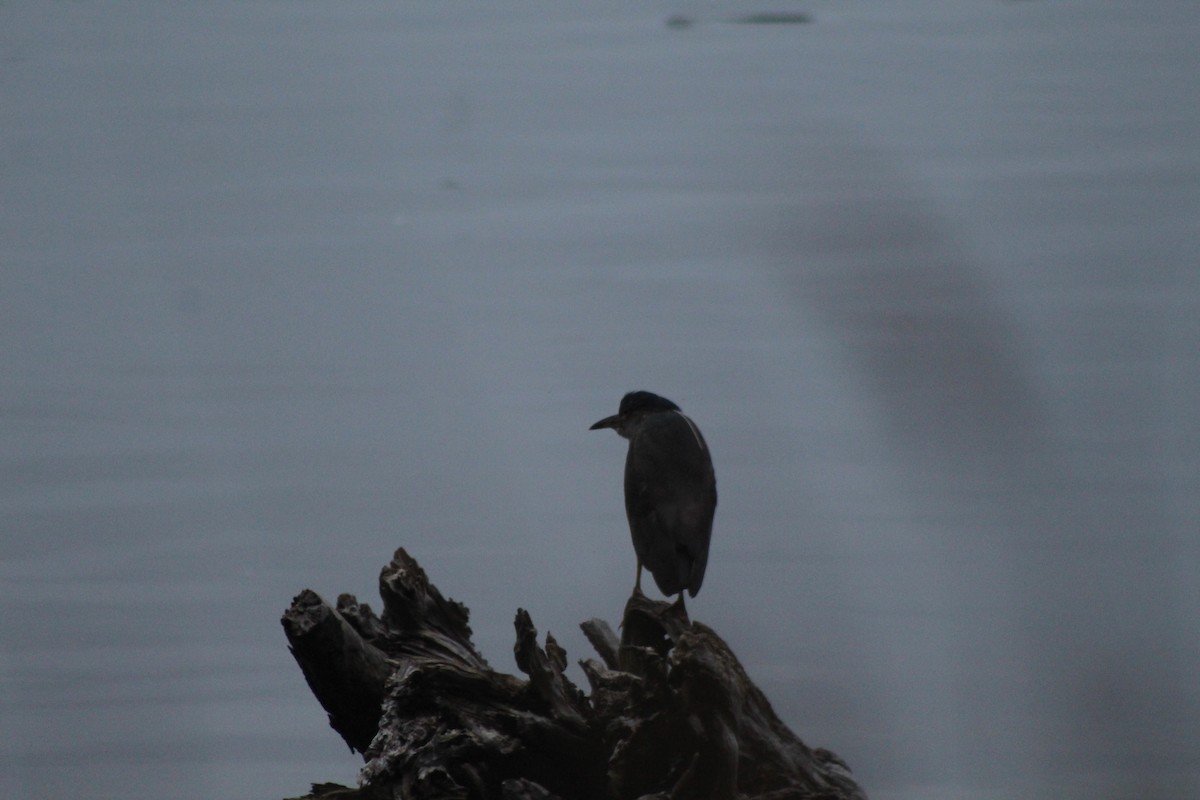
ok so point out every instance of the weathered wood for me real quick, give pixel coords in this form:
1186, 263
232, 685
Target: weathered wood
345, 671
671, 712
603, 641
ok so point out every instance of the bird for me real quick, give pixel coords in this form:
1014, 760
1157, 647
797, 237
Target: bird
670, 491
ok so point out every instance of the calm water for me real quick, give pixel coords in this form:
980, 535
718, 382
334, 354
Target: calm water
286, 285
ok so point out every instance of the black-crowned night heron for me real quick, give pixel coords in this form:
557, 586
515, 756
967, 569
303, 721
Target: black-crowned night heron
670, 491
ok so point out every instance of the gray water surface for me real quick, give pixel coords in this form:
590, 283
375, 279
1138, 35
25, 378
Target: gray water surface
287, 285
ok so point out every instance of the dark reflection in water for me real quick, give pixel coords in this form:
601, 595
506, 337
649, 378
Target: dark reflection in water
288, 286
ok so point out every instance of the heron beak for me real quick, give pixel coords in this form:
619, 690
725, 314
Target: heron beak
607, 422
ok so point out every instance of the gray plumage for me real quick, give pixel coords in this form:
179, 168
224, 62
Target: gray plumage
670, 491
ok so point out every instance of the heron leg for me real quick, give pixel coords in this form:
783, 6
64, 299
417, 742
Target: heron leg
637, 584
682, 605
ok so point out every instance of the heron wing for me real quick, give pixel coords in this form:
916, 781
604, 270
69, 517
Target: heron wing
670, 498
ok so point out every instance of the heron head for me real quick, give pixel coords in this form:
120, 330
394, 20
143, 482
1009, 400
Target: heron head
635, 407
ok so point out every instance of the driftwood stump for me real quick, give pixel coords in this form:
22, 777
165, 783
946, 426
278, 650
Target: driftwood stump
671, 712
